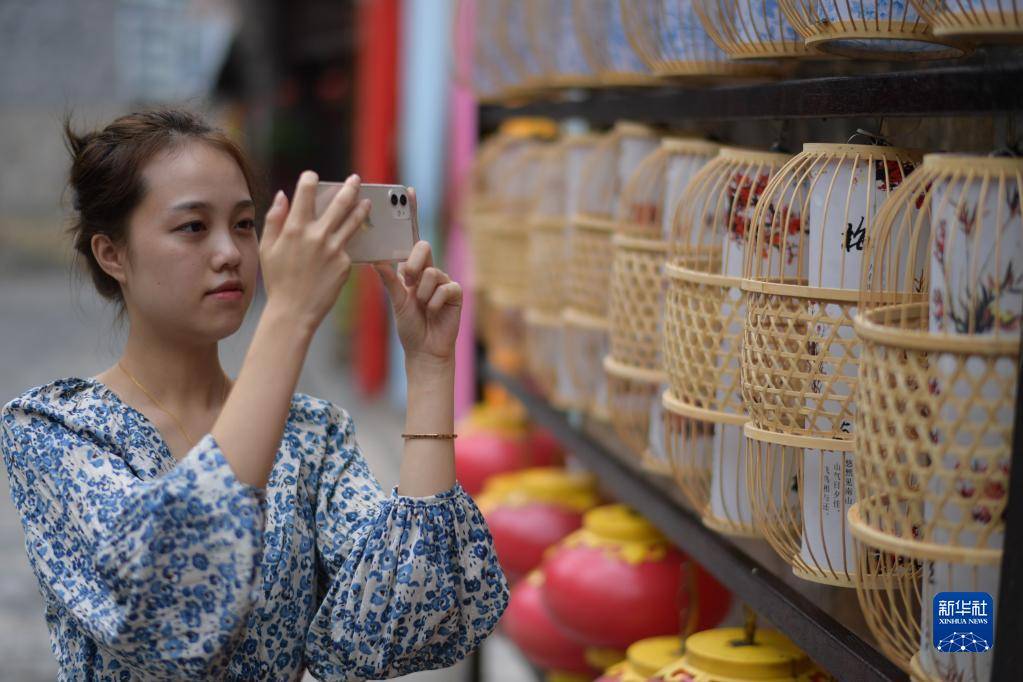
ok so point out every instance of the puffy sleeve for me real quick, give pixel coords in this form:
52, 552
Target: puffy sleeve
410, 583
159, 573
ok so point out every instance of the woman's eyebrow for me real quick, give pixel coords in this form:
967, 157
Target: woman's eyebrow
193, 205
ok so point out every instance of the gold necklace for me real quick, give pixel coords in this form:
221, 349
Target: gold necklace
157, 403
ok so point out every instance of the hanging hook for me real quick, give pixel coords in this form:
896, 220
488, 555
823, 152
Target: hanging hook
875, 138
1011, 148
779, 141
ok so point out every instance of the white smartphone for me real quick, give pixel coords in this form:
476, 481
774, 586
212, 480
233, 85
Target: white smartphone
388, 233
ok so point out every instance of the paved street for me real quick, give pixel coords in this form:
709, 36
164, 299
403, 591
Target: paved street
53, 327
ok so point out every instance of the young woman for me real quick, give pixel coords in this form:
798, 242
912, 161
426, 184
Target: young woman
186, 526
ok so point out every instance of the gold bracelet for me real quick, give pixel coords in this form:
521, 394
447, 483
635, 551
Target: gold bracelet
446, 436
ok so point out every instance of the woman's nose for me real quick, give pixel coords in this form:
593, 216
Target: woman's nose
225, 249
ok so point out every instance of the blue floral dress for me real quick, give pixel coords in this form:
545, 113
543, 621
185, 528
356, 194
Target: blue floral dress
154, 568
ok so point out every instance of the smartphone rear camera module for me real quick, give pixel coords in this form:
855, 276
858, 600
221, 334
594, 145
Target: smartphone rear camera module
399, 205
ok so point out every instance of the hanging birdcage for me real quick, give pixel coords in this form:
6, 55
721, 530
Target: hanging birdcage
601, 35
546, 247
512, 33
703, 320
637, 292
509, 264
941, 306
492, 74
556, 45
576, 151
606, 170
987, 21
667, 34
800, 353
751, 29
868, 29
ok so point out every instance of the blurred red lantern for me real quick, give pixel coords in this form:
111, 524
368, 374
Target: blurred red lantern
495, 439
544, 450
617, 580
527, 623
482, 454
530, 510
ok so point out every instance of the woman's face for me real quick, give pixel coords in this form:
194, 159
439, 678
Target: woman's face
193, 231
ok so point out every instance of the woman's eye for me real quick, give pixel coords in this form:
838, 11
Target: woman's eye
248, 224
186, 226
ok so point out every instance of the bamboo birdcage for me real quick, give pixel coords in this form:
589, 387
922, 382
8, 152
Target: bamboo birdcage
546, 247
667, 34
509, 264
941, 306
512, 33
601, 35
607, 168
868, 29
703, 320
989, 21
571, 393
636, 373
492, 75
751, 29
800, 353
556, 45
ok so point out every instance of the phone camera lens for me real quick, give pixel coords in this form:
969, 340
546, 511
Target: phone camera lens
404, 200
394, 200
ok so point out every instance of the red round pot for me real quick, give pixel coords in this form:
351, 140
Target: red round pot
527, 624
617, 580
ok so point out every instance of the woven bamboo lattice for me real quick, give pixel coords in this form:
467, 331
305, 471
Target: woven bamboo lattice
636, 301
508, 262
601, 35
751, 29
940, 311
800, 353
556, 46
585, 345
868, 29
667, 34
630, 393
704, 310
703, 320
607, 170
989, 21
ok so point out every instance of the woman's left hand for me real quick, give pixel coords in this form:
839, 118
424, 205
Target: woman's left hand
427, 306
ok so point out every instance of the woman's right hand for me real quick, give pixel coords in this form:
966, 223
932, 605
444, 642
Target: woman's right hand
303, 257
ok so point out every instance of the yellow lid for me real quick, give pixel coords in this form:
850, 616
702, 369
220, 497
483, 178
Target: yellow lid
556, 676
602, 659
619, 522
647, 656
529, 126
551, 485
724, 652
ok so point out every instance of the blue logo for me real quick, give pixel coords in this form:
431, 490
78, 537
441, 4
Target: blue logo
964, 622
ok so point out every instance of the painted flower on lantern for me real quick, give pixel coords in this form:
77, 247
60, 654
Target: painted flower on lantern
742, 196
889, 174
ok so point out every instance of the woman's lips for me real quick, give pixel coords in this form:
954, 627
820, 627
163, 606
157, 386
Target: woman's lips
229, 295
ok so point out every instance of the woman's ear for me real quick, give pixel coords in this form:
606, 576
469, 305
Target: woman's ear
109, 257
